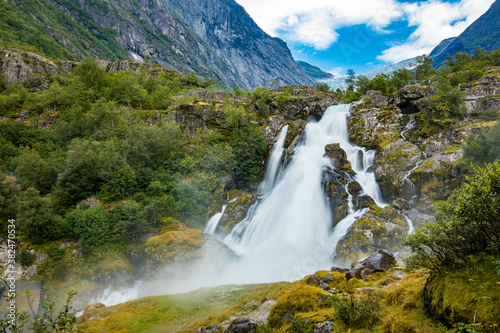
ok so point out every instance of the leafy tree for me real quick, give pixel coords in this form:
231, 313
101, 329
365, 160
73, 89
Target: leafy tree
79, 177
483, 148
324, 87
91, 226
468, 223
424, 67
34, 171
121, 185
129, 221
159, 204
90, 74
249, 149
105, 121
36, 219
351, 76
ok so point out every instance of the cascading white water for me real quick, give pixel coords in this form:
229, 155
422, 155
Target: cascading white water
274, 163
413, 189
212, 224
287, 234
292, 223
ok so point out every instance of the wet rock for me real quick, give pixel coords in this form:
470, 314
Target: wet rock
29, 272
340, 270
312, 280
339, 158
236, 211
210, 328
328, 278
324, 286
379, 229
375, 97
380, 261
324, 327
261, 314
406, 97
242, 325
401, 204
90, 202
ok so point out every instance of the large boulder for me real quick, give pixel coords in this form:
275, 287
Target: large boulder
242, 325
339, 158
380, 261
211, 328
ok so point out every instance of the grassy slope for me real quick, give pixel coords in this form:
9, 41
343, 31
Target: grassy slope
174, 313
401, 306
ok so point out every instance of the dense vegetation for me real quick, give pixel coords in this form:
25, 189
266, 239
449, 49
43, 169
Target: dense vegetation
102, 141
462, 69
468, 223
28, 32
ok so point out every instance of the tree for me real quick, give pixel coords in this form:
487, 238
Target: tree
351, 76
249, 148
91, 226
121, 185
467, 223
129, 220
483, 148
36, 219
424, 67
34, 171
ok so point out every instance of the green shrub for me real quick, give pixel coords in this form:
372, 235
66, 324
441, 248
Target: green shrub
360, 312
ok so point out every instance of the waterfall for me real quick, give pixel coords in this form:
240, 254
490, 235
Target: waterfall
288, 232
212, 224
274, 163
406, 178
291, 225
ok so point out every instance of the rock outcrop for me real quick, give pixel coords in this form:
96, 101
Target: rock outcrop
379, 261
217, 40
379, 229
242, 325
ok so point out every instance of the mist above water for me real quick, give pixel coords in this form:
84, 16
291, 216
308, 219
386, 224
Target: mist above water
288, 233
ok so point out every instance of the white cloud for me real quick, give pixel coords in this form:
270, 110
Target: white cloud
314, 22
435, 21
337, 71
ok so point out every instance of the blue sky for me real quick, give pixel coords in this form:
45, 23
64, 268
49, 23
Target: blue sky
362, 34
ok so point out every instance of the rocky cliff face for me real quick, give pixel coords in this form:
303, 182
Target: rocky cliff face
483, 32
215, 39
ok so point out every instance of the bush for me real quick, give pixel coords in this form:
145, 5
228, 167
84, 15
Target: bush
467, 223
358, 312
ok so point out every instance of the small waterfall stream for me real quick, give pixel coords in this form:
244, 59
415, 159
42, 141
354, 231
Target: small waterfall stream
413, 190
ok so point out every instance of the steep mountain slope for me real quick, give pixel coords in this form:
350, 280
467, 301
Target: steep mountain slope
483, 32
215, 39
314, 72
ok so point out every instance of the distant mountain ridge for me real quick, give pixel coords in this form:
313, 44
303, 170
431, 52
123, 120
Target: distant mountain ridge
314, 71
214, 38
484, 32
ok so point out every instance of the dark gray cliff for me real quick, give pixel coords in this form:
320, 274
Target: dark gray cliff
255, 57
484, 32
216, 39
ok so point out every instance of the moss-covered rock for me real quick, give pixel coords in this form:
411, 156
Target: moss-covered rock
379, 229
236, 211
468, 295
301, 299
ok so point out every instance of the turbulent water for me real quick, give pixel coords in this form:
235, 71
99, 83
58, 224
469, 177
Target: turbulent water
288, 233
